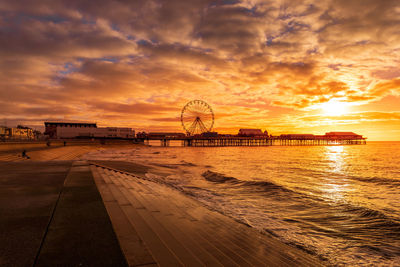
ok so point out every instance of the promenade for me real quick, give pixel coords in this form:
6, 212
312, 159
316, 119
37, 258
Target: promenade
58, 210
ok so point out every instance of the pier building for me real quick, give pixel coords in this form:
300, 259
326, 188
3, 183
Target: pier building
252, 132
342, 135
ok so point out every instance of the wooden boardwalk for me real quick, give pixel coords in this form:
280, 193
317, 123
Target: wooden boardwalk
158, 225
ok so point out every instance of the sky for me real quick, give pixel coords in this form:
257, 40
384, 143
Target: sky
282, 66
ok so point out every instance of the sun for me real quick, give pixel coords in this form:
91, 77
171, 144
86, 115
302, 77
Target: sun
334, 108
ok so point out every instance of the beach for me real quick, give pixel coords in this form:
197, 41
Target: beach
65, 201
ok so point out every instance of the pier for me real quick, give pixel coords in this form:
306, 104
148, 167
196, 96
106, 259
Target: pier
249, 141
283, 140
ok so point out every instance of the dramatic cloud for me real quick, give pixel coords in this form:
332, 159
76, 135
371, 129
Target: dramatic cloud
258, 63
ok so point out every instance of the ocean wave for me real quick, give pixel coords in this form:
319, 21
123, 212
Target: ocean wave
378, 180
377, 220
169, 166
189, 164
221, 178
351, 222
218, 177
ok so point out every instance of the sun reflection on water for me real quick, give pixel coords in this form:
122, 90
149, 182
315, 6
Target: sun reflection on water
335, 186
336, 157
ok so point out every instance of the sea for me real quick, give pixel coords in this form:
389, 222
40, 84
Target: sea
339, 203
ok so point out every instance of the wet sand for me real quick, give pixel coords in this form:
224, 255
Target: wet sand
39, 151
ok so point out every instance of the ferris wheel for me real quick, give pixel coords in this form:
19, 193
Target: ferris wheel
197, 117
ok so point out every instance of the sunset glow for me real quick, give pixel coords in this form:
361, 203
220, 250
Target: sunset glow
284, 66
334, 108
200, 132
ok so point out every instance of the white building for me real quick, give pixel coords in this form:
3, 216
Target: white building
18, 133
60, 130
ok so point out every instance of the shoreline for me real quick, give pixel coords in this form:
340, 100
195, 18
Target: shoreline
158, 215
56, 151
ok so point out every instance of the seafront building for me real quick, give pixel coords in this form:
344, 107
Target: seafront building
3, 131
17, 133
65, 130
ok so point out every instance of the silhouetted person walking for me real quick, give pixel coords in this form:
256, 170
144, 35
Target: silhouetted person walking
24, 155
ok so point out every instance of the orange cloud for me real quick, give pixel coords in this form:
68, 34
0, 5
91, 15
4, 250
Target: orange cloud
256, 62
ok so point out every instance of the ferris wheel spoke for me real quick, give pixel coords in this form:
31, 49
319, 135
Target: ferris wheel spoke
190, 118
202, 127
192, 112
193, 127
188, 124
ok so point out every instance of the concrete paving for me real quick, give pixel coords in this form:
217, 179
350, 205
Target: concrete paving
53, 215
28, 193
